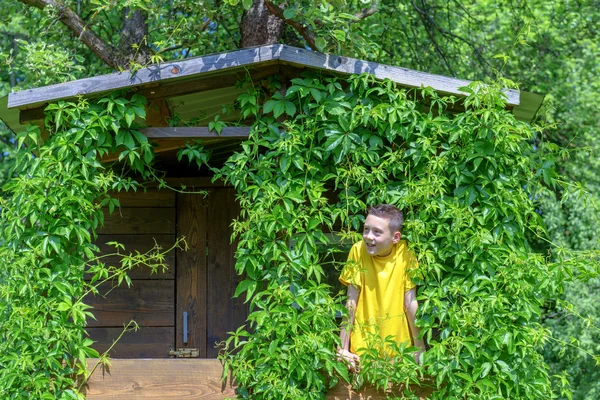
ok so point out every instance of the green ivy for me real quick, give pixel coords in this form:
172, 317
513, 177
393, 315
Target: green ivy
49, 220
323, 149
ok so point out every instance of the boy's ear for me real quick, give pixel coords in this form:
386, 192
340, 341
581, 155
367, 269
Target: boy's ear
397, 237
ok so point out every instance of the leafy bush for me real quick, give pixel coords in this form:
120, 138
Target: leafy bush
49, 219
324, 149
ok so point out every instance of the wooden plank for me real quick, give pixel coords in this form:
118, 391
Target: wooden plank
201, 84
237, 132
141, 221
191, 271
212, 63
141, 243
228, 61
224, 314
403, 76
160, 145
147, 302
158, 113
146, 342
149, 198
158, 379
198, 182
189, 379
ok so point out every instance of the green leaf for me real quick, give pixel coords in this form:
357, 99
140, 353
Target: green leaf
289, 13
321, 44
129, 116
295, 196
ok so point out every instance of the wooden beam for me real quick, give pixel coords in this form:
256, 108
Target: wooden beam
33, 114
226, 63
210, 64
187, 378
190, 183
167, 139
231, 132
158, 379
201, 84
158, 113
403, 76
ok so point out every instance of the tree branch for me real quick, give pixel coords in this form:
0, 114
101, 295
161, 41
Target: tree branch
78, 26
302, 30
364, 13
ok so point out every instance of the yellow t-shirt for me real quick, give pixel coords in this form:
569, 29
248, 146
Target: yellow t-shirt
382, 282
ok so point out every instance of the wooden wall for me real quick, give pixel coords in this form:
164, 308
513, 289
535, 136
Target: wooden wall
143, 220
200, 280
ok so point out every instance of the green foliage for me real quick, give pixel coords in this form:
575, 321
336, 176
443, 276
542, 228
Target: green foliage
574, 352
466, 181
52, 210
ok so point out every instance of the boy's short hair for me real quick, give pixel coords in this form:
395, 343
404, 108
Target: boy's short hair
390, 212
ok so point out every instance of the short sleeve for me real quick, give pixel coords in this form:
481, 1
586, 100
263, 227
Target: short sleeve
351, 274
411, 266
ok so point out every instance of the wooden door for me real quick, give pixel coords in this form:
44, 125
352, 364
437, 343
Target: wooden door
206, 278
200, 281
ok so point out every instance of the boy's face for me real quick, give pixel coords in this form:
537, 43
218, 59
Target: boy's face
378, 236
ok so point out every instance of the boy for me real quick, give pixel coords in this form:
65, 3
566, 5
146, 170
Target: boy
379, 291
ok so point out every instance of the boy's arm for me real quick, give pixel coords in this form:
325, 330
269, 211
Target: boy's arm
348, 323
411, 305
343, 352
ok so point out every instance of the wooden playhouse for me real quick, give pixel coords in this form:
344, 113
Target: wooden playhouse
185, 311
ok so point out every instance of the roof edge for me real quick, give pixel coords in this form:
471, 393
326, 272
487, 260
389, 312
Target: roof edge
275, 53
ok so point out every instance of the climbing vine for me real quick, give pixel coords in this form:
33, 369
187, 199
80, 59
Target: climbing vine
323, 149
47, 257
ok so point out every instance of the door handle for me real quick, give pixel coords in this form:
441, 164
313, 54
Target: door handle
185, 327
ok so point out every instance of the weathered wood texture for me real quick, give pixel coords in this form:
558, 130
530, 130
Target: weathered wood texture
224, 313
146, 342
158, 379
147, 302
182, 379
142, 220
149, 198
402, 76
201, 280
191, 271
192, 183
238, 132
224, 63
209, 64
141, 244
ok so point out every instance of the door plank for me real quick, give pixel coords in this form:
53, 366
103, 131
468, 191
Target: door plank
141, 243
139, 220
150, 198
224, 314
146, 342
148, 302
191, 271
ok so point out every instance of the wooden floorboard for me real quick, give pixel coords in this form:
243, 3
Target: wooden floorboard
180, 379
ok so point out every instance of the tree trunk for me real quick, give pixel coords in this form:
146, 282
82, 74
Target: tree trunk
133, 44
260, 27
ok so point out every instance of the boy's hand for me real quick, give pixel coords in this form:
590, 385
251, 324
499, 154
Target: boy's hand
352, 360
418, 356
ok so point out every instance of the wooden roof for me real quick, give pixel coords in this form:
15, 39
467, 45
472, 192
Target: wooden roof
215, 76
